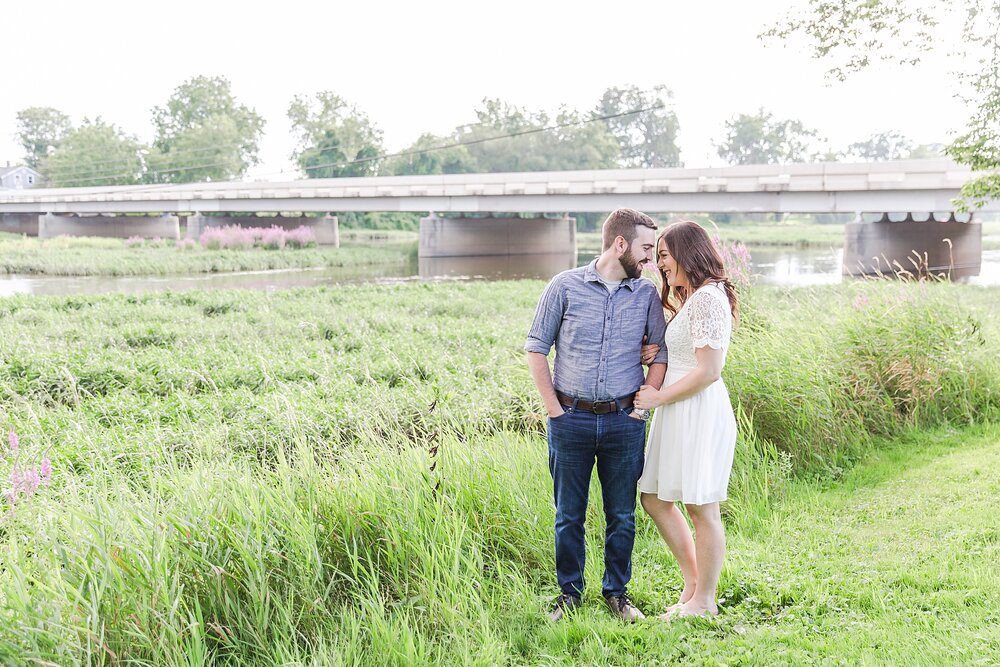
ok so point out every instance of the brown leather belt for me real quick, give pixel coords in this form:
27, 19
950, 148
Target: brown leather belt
597, 407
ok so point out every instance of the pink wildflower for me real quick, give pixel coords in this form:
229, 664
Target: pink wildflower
12, 439
301, 237
25, 481
11, 496
46, 470
30, 480
273, 238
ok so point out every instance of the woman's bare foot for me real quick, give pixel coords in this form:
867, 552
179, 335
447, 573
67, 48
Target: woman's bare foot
686, 595
693, 608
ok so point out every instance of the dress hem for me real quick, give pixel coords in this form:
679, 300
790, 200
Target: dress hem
675, 499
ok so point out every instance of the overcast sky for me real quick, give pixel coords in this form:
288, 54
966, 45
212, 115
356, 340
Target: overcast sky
425, 66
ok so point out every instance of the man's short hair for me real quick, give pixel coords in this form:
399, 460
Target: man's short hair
622, 222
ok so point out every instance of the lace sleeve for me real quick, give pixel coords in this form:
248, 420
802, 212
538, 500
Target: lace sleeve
710, 320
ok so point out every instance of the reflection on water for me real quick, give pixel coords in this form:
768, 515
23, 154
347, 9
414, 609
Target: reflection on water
989, 274
772, 266
791, 266
505, 267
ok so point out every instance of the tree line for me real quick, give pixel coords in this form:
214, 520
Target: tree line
203, 133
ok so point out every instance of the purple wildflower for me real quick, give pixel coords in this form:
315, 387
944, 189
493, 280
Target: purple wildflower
30, 480
301, 237
46, 470
12, 439
273, 238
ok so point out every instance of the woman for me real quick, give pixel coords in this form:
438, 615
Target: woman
693, 434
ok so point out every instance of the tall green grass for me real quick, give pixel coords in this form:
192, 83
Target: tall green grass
358, 474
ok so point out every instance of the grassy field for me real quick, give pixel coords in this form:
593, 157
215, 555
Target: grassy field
356, 475
65, 256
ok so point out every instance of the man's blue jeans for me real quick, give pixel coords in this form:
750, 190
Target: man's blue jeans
577, 440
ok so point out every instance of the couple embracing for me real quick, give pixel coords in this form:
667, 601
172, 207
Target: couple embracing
598, 398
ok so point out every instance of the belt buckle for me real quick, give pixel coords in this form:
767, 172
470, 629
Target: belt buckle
603, 407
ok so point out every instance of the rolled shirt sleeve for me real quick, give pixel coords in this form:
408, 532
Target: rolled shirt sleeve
548, 318
656, 328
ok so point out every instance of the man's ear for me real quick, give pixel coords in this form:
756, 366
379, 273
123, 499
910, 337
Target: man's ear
621, 245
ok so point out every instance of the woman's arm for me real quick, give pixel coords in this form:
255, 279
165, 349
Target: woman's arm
708, 370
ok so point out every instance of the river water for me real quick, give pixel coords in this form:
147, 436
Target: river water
773, 266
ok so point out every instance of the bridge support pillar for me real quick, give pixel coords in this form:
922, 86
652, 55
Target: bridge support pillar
118, 226
492, 237
326, 229
919, 244
19, 223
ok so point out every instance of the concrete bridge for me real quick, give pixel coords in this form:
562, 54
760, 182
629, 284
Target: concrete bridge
922, 189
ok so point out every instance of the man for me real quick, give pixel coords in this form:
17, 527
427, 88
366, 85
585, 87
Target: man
597, 317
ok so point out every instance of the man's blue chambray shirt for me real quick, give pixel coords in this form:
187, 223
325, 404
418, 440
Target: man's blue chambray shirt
598, 335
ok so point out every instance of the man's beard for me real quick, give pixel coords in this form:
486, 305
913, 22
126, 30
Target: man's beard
633, 269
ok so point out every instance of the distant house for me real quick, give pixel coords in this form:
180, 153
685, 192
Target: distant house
18, 177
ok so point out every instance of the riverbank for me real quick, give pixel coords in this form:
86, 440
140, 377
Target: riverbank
66, 256
357, 474
771, 234
783, 235
359, 248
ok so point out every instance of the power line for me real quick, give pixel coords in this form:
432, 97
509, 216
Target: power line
384, 156
119, 162
473, 142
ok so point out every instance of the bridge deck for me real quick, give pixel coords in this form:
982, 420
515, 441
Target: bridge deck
824, 187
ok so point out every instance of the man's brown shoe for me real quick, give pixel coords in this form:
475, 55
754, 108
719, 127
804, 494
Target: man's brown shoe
563, 605
622, 607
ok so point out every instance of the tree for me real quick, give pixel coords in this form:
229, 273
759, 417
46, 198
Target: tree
40, 131
511, 138
431, 154
881, 147
646, 139
202, 133
924, 151
95, 154
850, 34
207, 152
334, 137
577, 142
759, 139
505, 138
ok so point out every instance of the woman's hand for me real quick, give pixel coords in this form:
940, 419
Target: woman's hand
647, 398
648, 353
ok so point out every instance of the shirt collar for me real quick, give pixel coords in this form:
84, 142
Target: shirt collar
591, 275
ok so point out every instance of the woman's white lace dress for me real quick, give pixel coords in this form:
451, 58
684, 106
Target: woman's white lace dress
691, 442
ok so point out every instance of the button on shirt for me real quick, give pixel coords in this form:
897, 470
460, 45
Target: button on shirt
597, 334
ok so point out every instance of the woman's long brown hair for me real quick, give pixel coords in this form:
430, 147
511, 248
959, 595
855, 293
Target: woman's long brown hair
693, 250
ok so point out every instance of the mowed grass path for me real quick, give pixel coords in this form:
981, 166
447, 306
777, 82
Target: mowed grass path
896, 564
